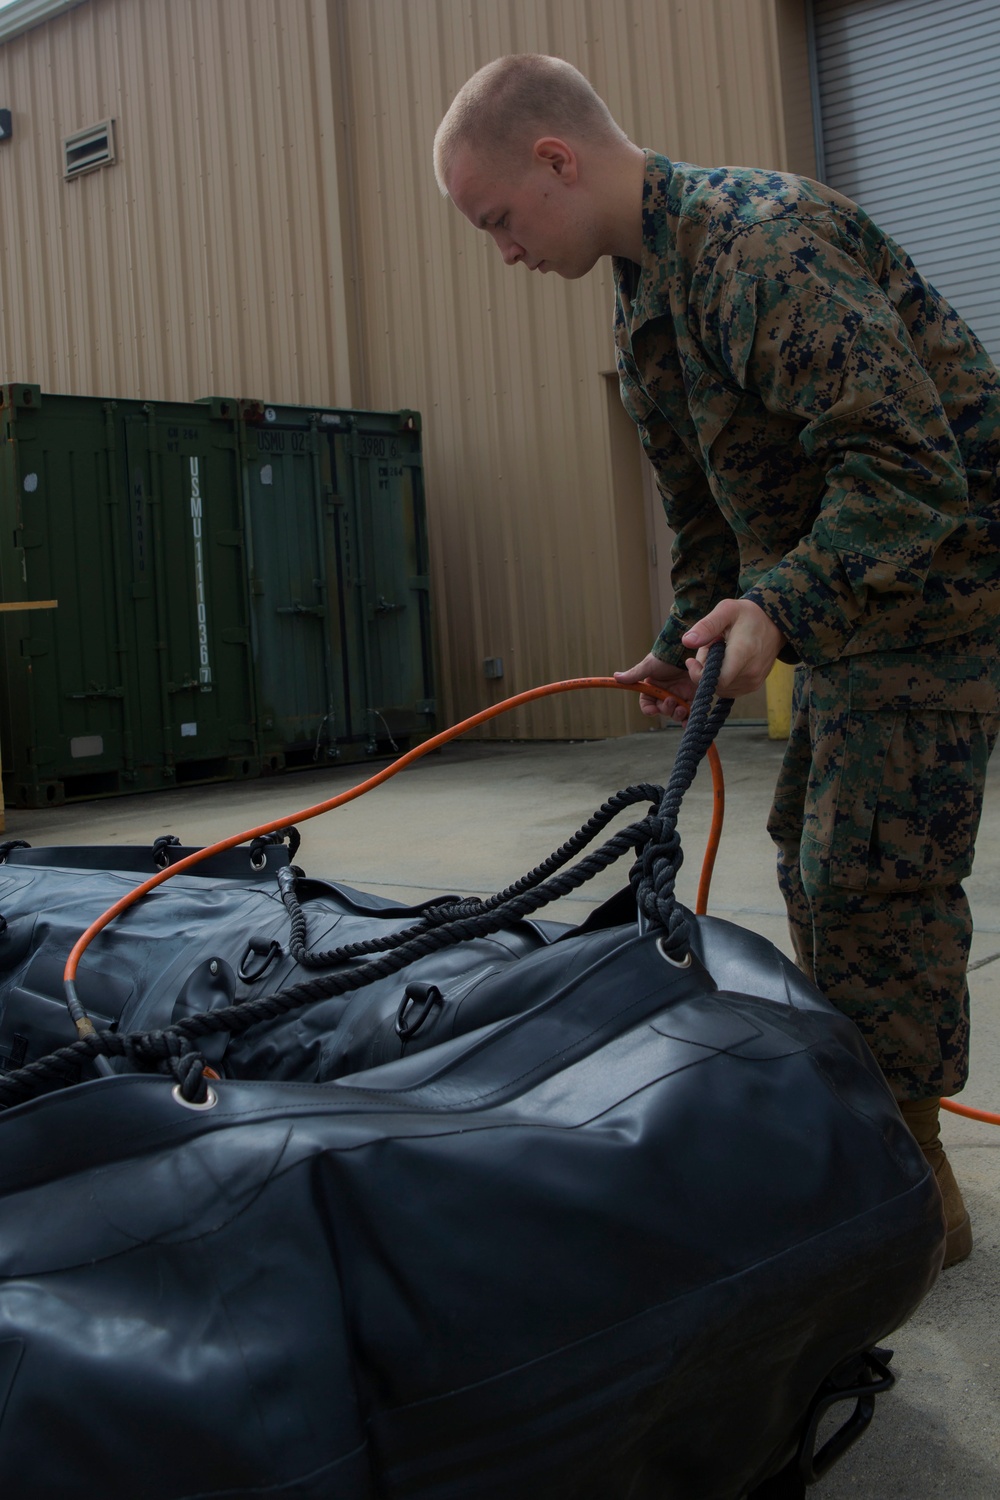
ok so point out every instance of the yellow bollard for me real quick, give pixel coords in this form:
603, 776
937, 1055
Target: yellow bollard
779, 700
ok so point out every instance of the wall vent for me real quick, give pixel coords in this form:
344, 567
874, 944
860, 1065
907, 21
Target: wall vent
86, 149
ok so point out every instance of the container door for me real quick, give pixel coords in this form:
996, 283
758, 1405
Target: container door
385, 567
66, 719
190, 616
299, 673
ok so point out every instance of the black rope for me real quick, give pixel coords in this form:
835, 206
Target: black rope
443, 912
169, 1050
6, 848
259, 845
653, 877
160, 846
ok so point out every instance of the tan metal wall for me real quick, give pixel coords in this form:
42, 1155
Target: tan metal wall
207, 260
273, 228
539, 540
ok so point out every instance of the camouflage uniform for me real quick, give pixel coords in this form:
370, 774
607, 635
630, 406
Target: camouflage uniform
826, 435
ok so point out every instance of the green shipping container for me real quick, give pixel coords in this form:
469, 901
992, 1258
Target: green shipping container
337, 550
189, 614
129, 516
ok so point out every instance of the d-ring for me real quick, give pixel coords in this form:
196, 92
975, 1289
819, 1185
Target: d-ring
209, 1103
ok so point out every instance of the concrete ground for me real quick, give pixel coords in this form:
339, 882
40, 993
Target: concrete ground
474, 817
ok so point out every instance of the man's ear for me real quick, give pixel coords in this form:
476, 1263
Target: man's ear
557, 157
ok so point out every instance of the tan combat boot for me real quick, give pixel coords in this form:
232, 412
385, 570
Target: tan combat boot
923, 1118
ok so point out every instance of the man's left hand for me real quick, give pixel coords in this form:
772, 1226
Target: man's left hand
752, 646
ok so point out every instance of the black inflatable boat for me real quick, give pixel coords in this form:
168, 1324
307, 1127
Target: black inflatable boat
609, 1212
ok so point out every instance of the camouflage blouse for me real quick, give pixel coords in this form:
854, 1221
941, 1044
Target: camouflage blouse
824, 427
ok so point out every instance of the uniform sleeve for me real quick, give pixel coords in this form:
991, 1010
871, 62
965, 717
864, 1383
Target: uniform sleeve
704, 562
893, 548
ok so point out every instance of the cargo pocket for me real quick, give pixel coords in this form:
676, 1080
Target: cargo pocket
900, 745
908, 797
854, 790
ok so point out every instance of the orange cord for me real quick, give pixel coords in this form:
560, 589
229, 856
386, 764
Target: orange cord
969, 1112
714, 832
434, 743
570, 685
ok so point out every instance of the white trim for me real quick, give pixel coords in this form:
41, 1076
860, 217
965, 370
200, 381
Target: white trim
24, 14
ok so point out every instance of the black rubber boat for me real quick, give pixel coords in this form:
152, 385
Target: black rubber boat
617, 1210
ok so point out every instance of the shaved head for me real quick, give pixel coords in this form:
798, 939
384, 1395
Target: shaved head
511, 102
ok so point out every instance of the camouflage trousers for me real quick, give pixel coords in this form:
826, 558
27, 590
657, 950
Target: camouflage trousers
875, 817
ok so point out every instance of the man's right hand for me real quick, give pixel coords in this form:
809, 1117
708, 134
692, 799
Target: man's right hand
674, 679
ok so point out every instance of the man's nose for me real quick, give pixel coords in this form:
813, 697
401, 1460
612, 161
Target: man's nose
511, 251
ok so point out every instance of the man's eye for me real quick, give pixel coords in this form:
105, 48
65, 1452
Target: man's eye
501, 223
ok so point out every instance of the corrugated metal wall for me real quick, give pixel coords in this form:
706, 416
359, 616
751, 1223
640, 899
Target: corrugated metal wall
909, 92
273, 228
207, 260
540, 555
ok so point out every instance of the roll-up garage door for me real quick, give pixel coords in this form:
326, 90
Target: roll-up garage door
909, 126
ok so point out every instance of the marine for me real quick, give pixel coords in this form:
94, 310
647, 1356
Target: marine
825, 432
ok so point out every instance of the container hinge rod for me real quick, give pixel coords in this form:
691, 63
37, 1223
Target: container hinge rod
319, 610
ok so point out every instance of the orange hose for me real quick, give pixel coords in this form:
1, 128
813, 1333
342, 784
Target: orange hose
714, 832
434, 743
568, 686
969, 1112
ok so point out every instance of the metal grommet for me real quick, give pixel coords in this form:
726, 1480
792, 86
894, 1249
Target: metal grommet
258, 860
209, 1103
161, 848
678, 963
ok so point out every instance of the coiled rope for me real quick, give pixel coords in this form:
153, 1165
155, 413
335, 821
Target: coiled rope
655, 841
440, 912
